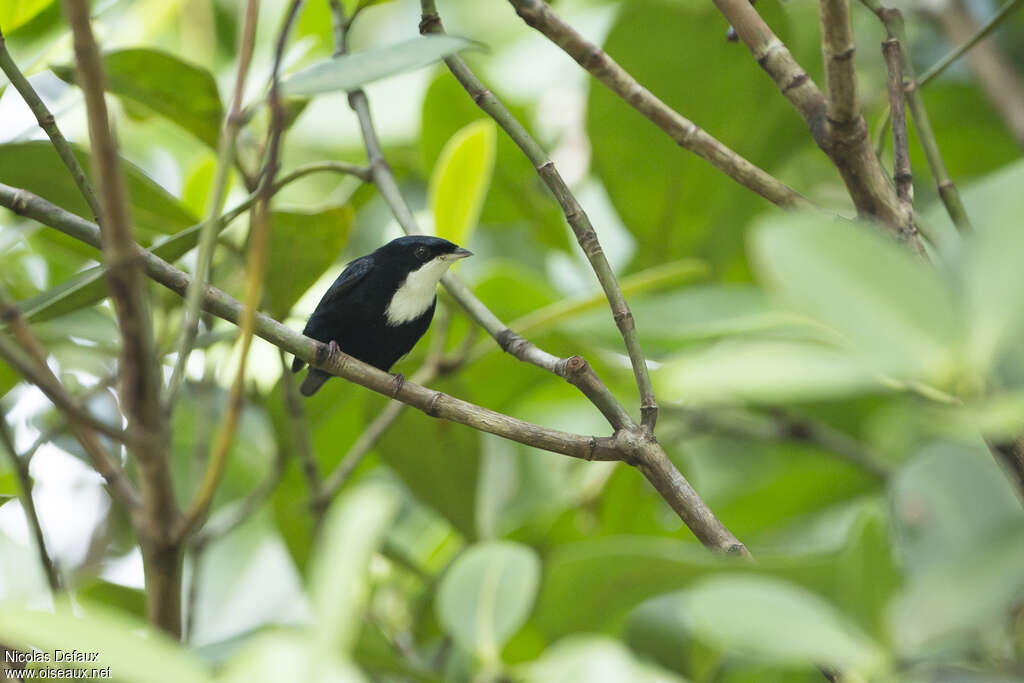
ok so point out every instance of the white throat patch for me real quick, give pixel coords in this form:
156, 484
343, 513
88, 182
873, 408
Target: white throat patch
417, 292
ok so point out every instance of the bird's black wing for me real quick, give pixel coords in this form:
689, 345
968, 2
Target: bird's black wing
354, 272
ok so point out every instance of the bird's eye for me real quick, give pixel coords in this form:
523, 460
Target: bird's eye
421, 253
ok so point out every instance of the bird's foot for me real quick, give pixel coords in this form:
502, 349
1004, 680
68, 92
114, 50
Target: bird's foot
333, 350
398, 383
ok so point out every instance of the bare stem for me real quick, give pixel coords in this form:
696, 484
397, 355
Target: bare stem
901, 155
838, 51
208, 234
577, 218
684, 132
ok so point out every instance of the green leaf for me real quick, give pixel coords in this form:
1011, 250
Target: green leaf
461, 177
180, 92
353, 529
352, 71
764, 371
302, 247
130, 600
775, 621
487, 594
8, 378
128, 646
35, 166
15, 13
893, 309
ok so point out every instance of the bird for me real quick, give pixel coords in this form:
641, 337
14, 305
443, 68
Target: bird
381, 304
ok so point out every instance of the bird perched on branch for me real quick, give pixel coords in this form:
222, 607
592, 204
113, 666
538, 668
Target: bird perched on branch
381, 304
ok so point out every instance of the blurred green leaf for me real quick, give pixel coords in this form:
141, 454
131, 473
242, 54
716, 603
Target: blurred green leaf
775, 621
993, 279
352, 71
14, 13
8, 378
595, 659
353, 529
180, 92
672, 201
129, 600
35, 166
948, 607
895, 310
302, 246
487, 594
128, 646
459, 182
764, 371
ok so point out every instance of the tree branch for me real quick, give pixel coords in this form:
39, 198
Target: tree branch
845, 141
838, 51
210, 229
642, 451
577, 218
684, 132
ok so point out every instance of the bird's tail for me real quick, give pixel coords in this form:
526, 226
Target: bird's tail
314, 380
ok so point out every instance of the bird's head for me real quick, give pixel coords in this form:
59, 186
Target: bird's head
418, 263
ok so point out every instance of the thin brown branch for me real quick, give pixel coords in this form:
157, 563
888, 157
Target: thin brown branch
207, 237
684, 132
637, 449
28, 506
140, 372
846, 142
577, 218
259, 239
49, 126
901, 175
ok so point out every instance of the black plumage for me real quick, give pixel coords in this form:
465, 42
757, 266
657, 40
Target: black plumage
381, 304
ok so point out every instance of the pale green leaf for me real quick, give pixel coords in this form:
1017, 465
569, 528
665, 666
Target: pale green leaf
487, 594
461, 177
777, 622
891, 308
352, 71
15, 13
764, 371
594, 659
132, 650
339, 586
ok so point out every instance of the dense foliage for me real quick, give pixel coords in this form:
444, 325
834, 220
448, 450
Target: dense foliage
830, 395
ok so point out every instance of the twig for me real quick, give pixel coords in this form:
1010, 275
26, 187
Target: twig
208, 234
61, 422
892, 19
577, 218
49, 125
846, 142
28, 506
838, 51
901, 156
257, 263
641, 451
30, 361
683, 131
140, 372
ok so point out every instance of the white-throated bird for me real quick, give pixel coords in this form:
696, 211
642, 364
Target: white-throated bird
381, 304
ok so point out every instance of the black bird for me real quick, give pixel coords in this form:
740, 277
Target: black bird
381, 304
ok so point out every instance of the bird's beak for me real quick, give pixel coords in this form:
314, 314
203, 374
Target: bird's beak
460, 253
